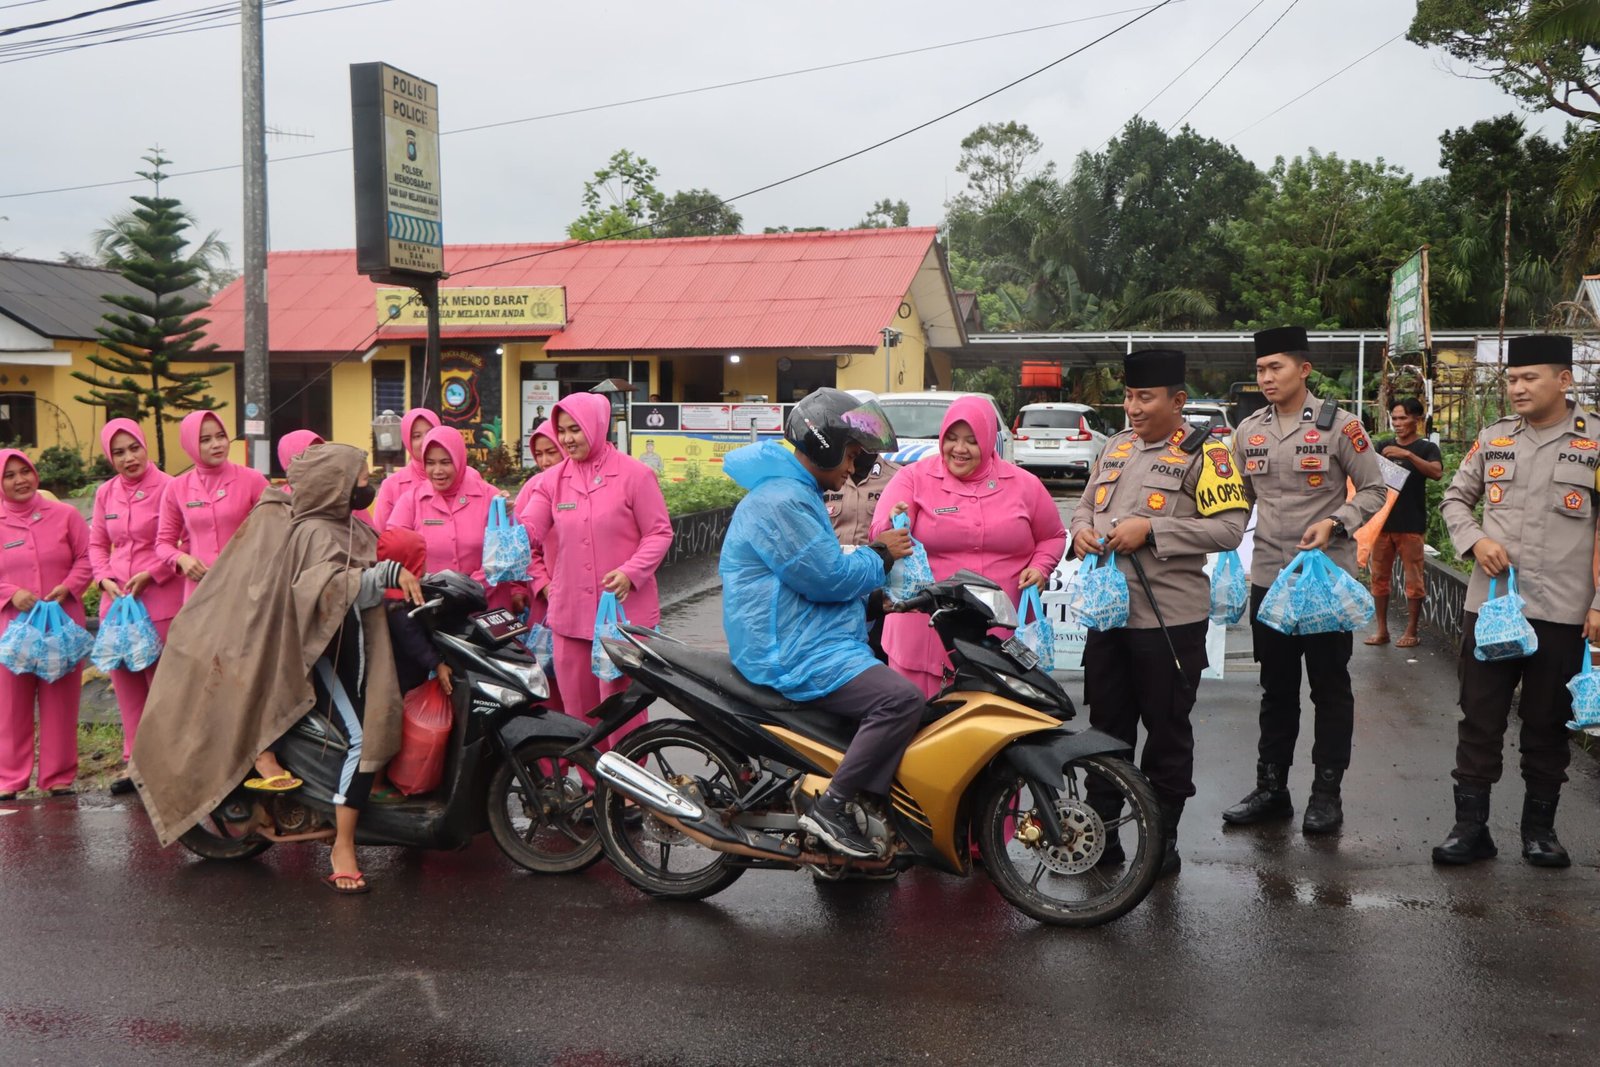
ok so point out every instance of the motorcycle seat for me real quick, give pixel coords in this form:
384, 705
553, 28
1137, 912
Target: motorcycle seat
717, 668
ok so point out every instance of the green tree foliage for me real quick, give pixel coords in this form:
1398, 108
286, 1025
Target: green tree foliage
151, 331
995, 158
695, 213
622, 201
1317, 244
886, 214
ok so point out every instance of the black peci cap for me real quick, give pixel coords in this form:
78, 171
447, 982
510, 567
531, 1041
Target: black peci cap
1539, 348
1151, 367
1281, 339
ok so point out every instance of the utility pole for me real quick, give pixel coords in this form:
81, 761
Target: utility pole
257, 393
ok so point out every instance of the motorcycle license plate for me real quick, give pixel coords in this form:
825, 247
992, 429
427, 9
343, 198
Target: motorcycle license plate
499, 624
1021, 653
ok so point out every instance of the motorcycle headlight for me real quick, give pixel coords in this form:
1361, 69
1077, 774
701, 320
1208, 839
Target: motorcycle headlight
526, 675
999, 605
503, 695
1032, 693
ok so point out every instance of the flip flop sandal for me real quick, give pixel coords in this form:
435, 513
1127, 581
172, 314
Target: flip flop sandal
332, 882
278, 783
386, 795
1407, 642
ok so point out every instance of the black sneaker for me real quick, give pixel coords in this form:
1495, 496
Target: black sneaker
828, 819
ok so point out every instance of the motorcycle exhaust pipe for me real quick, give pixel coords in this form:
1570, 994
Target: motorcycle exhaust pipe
683, 813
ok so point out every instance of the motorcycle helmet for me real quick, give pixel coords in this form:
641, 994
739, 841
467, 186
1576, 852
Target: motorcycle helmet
825, 421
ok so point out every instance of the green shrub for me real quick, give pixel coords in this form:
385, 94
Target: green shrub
699, 493
61, 470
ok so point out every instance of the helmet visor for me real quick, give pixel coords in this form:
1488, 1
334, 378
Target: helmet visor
870, 428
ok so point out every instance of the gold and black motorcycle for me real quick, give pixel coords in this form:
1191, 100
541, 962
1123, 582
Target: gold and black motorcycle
686, 806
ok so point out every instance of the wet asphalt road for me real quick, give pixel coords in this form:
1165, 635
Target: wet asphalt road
1268, 947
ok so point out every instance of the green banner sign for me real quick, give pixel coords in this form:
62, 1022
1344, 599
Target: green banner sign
1408, 309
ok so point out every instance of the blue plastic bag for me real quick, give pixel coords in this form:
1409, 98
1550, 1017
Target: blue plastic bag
1230, 589
540, 641
1503, 631
21, 643
606, 620
1314, 595
1038, 635
109, 642
1098, 595
506, 552
128, 638
910, 575
1585, 690
65, 644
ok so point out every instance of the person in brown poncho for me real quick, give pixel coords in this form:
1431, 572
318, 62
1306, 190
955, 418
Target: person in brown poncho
289, 618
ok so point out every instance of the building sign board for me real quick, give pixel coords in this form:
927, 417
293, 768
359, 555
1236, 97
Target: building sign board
528, 305
399, 217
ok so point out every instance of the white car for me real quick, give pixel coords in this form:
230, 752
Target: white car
1213, 415
916, 418
1059, 440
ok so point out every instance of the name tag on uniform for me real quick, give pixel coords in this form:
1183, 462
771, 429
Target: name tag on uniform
111, 515
946, 511
17, 543
433, 522
566, 507
194, 503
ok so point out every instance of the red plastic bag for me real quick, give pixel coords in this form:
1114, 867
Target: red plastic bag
424, 738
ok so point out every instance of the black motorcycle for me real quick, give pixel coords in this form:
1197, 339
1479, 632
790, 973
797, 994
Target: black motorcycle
686, 807
504, 770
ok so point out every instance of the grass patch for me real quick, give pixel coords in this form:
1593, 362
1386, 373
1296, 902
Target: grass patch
99, 758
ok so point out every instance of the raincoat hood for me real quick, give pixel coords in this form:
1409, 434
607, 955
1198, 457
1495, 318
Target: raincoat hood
979, 414
407, 422
322, 481
19, 507
295, 442
450, 440
750, 465
592, 413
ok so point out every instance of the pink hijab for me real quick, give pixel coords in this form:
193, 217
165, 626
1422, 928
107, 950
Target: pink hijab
189, 438
407, 422
295, 442
18, 507
592, 413
132, 429
547, 430
978, 414
449, 439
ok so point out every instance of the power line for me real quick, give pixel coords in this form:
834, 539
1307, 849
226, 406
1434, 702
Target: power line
8, 31
1230, 70
1320, 84
602, 107
1197, 59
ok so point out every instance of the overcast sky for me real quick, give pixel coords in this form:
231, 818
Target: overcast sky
86, 116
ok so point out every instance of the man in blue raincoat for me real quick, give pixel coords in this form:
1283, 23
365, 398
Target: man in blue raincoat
794, 601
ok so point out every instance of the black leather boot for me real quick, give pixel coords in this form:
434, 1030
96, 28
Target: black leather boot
1269, 799
1171, 813
1324, 812
1540, 846
1469, 839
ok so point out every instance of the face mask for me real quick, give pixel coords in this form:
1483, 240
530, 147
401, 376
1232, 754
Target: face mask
361, 497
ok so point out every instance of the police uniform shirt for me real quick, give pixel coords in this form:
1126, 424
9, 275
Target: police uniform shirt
1294, 473
1195, 503
1538, 493
850, 509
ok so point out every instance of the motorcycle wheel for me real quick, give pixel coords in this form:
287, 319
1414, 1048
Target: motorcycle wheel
655, 857
553, 833
1062, 885
215, 838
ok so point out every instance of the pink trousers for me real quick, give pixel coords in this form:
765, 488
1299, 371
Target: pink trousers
133, 689
581, 691
58, 729
928, 683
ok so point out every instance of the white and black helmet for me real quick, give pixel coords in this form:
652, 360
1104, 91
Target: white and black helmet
825, 421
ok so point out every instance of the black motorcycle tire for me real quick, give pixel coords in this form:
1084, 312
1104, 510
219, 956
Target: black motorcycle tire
502, 786
1139, 874
613, 807
209, 845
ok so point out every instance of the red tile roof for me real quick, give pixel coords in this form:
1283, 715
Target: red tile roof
804, 290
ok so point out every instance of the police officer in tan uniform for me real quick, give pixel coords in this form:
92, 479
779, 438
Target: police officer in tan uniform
1168, 493
1297, 452
1535, 474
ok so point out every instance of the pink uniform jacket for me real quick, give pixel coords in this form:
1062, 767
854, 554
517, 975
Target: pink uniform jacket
451, 523
400, 484
537, 608
122, 533
997, 522
203, 506
43, 544
594, 517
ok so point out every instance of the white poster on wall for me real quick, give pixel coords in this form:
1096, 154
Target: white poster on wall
538, 400
1071, 637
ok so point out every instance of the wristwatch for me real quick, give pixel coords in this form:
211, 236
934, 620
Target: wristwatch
1339, 528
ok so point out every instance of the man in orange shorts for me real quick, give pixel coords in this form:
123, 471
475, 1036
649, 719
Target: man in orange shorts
1403, 531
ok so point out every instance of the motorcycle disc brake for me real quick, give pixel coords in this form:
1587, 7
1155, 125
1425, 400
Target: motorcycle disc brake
1083, 839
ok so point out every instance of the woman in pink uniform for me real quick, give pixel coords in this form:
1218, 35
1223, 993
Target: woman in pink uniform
601, 524
450, 509
414, 426
122, 550
291, 445
44, 555
203, 506
971, 510
546, 449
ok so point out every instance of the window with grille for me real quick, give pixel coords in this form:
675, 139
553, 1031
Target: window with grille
388, 387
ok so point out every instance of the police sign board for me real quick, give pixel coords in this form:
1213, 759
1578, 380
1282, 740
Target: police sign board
526, 305
395, 126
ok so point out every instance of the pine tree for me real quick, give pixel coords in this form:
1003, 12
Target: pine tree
152, 330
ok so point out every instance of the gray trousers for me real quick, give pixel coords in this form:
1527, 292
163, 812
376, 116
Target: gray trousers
889, 708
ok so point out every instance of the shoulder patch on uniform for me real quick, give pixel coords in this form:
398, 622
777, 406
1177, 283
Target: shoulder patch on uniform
1220, 487
1583, 443
1473, 451
1500, 442
1357, 436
